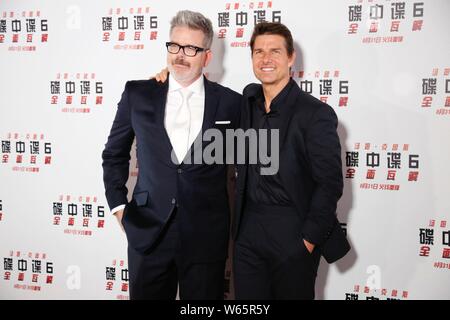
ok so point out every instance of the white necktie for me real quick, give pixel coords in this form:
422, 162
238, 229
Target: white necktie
181, 128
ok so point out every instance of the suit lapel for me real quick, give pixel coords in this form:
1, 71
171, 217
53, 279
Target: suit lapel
209, 116
158, 99
287, 112
246, 123
211, 104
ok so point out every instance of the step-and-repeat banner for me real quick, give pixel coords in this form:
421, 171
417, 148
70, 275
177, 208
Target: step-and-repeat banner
383, 65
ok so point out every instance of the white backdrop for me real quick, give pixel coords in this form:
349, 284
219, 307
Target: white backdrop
381, 64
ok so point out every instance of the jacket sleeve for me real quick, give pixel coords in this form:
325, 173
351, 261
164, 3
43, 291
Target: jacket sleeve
116, 155
324, 152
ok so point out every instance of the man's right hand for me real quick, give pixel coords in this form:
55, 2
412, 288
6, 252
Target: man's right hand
162, 75
119, 216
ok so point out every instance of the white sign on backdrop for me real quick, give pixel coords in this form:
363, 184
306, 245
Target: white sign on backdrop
382, 65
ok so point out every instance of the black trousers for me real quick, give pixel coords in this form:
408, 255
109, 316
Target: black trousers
270, 258
158, 274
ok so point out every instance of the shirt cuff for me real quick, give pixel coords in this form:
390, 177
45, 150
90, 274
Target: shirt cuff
118, 208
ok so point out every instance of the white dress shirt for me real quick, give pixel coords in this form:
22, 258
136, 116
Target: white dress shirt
196, 105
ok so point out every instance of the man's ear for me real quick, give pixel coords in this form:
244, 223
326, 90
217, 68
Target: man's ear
292, 59
208, 57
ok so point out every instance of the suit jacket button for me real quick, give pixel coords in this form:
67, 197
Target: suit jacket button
180, 170
173, 201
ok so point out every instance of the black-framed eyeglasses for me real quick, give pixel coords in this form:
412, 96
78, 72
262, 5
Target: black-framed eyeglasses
188, 50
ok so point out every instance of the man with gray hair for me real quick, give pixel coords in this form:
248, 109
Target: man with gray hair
177, 222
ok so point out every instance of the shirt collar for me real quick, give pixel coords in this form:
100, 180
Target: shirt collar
197, 87
277, 101
282, 95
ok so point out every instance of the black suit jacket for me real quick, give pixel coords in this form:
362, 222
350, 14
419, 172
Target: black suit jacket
199, 191
310, 168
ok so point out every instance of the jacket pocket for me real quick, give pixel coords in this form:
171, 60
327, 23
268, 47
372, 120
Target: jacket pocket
141, 198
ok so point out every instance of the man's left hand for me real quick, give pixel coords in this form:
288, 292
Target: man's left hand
309, 246
162, 75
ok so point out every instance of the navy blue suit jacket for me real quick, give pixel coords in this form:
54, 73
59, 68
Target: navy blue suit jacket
199, 191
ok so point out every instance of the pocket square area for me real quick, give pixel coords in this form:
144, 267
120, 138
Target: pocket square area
223, 122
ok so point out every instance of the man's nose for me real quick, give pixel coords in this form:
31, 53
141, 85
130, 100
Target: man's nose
266, 58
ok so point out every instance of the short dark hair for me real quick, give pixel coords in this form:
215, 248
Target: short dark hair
274, 28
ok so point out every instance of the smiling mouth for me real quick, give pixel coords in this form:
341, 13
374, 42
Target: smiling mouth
178, 65
267, 69
181, 65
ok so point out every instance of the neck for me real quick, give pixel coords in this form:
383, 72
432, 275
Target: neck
272, 90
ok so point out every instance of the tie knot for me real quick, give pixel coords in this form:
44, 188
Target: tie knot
185, 93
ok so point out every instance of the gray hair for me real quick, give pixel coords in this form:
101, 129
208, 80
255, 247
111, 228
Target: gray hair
195, 21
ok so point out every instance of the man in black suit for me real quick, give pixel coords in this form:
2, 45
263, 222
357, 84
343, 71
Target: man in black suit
283, 222
177, 223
